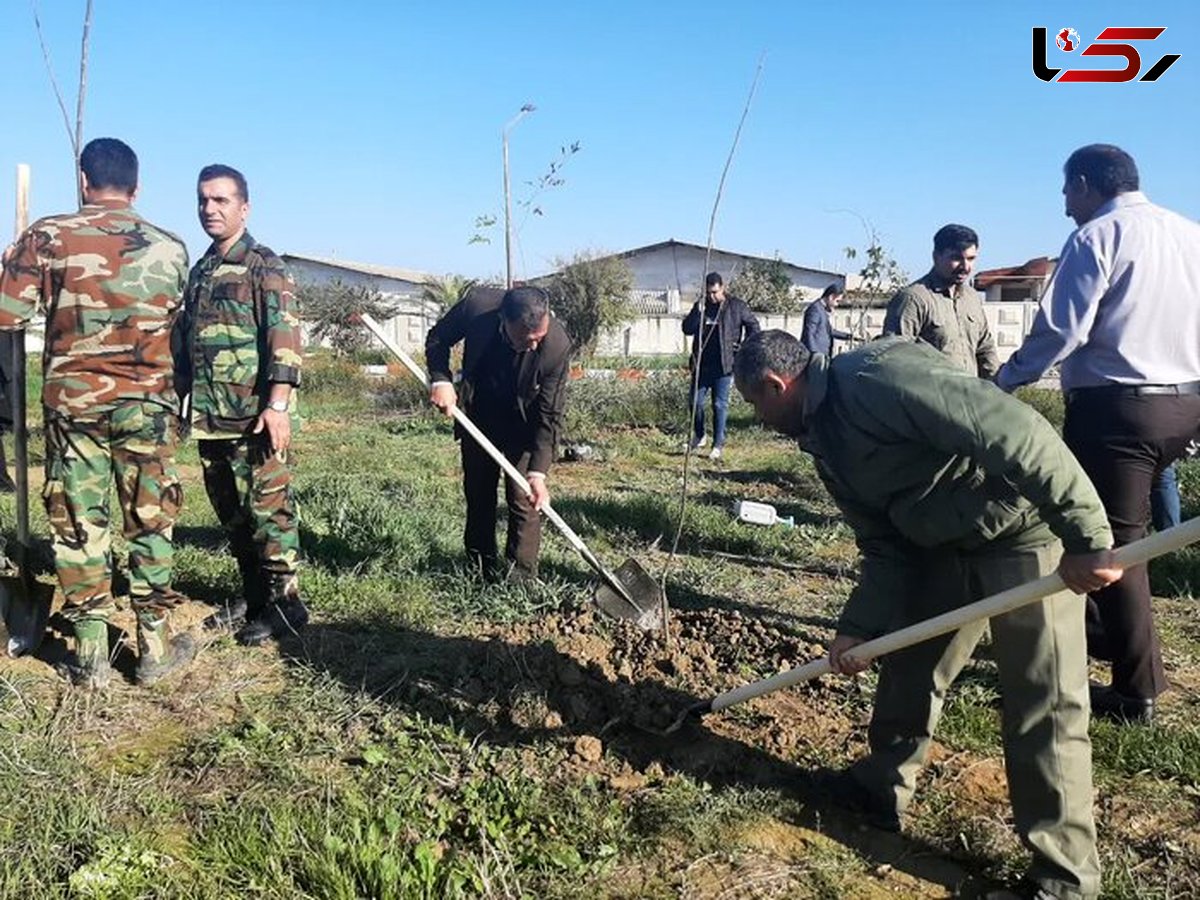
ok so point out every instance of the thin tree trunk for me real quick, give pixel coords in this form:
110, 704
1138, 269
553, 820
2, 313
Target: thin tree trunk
79, 103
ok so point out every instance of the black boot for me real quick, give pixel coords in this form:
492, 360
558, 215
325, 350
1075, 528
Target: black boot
285, 614
255, 592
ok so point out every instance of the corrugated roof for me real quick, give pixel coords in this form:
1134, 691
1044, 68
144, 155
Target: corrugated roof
1036, 269
674, 243
367, 268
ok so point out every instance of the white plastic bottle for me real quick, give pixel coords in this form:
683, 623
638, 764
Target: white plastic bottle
760, 514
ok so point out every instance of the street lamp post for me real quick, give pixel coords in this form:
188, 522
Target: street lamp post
508, 253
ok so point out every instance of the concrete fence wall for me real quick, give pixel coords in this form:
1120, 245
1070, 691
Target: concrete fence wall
662, 335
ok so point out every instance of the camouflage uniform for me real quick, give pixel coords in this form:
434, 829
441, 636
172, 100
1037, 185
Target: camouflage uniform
239, 333
110, 284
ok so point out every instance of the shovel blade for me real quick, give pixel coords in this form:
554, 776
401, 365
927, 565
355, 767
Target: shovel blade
645, 610
26, 611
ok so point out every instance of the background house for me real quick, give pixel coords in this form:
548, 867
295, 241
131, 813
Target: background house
403, 287
669, 276
1016, 284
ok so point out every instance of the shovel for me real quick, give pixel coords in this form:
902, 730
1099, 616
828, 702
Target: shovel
630, 592
24, 603
1134, 554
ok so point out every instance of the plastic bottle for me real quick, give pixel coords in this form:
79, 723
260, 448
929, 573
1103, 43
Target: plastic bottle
761, 514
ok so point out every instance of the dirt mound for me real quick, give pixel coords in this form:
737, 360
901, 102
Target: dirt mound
594, 676
604, 691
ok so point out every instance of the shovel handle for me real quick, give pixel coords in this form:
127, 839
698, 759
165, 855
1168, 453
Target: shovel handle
20, 414
1134, 554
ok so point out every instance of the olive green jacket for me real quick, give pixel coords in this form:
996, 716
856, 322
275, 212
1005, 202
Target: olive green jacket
920, 455
954, 323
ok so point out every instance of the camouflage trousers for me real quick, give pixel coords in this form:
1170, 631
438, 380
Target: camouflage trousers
132, 446
251, 491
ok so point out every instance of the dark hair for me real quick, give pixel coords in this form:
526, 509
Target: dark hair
713, 279
1108, 169
109, 163
832, 291
769, 351
217, 170
954, 237
526, 306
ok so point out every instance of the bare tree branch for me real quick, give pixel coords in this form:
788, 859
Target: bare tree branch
687, 456
37, 24
83, 65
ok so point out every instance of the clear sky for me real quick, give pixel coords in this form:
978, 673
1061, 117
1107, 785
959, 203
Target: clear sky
370, 131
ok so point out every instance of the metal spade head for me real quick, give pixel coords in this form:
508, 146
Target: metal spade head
25, 608
643, 603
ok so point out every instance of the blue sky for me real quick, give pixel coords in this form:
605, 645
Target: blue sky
371, 131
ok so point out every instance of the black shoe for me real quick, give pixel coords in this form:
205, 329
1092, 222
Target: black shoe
7, 485
1116, 707
180, 650
229, 615
279, 619
843, 790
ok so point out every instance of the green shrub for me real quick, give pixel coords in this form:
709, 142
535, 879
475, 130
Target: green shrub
1049, 403
651, 402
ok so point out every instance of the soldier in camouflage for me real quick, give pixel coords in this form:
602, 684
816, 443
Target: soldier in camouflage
238, 353
110, 285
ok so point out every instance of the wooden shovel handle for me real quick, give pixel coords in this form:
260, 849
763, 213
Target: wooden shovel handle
1138, 552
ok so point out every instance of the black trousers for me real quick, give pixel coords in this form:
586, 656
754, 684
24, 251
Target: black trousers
1123, 441
480, 476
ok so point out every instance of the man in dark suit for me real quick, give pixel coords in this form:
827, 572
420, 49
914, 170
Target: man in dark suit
818, 332
514, 374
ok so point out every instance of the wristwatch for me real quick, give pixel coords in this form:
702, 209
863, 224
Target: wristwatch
278, 405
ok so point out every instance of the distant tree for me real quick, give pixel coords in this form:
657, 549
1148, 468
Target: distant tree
881, 275
443, 293
588, 294
333, 308
765, 286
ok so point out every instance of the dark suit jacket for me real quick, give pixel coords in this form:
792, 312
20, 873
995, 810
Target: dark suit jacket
818, 332
735, 323
541, 377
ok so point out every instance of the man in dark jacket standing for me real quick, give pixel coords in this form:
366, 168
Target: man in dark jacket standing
818, 332
514, 375
955, 491
718, 330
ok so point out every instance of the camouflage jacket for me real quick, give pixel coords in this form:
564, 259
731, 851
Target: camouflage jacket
239, 333
110, 284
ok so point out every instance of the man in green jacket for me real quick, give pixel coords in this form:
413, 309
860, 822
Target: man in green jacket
237, 353
955, 491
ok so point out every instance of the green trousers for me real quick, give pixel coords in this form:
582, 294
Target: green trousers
1040, 651
251, 491
133, 447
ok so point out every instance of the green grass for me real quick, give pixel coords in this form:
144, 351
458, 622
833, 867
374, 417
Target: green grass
372, 760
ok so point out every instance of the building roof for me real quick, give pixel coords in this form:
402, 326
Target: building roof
702, 248
1036, 269
411, 275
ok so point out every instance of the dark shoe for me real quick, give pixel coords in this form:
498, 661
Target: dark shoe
843, 790
284, 617
1108, 704
228, 616
159, 651
88, 665
7, 485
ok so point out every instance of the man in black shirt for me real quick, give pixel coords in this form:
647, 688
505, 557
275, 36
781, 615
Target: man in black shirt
718, 330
